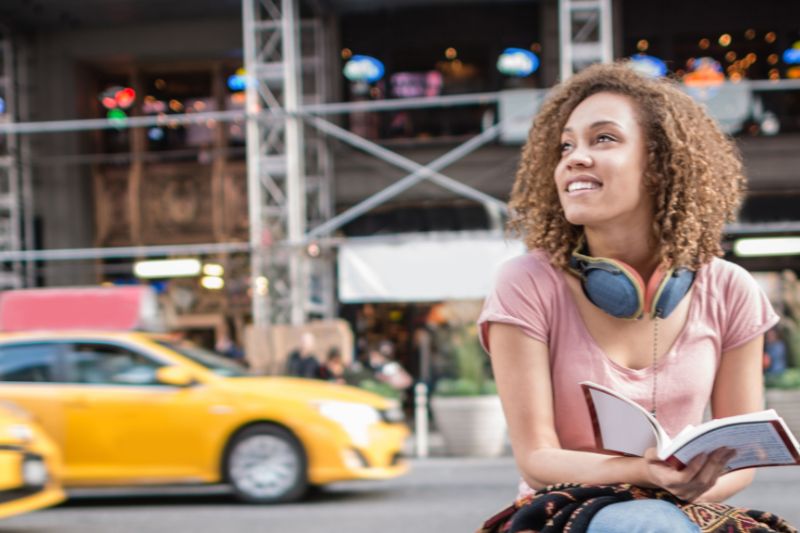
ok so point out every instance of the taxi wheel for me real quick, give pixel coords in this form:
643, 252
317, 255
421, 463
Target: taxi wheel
266, 464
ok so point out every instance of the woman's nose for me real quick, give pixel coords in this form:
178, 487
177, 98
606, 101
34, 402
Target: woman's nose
579, 157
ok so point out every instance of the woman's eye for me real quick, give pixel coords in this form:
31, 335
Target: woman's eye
565, 146
605, 138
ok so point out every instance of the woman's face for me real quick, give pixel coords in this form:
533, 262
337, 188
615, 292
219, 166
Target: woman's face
600, 177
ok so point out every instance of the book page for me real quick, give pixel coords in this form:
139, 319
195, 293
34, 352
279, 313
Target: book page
756, 444
624, 427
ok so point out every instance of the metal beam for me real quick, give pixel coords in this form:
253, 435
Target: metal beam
255, 197
451, 100
295, 158
74, 254
58, 126
265, 115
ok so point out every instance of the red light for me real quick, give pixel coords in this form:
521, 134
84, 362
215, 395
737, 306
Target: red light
108, 102
125, 97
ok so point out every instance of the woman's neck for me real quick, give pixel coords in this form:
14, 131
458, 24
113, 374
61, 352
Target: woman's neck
637, 249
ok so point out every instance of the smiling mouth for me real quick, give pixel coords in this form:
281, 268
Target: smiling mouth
583, 186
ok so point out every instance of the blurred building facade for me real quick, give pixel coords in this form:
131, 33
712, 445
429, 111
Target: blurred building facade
80, 178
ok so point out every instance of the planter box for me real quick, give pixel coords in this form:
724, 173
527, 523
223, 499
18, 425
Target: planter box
470, 425
787, 404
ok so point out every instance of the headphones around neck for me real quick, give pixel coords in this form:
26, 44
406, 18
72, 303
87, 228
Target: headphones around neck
620, 291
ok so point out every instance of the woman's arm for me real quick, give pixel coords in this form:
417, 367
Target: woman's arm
522, 371
738, 389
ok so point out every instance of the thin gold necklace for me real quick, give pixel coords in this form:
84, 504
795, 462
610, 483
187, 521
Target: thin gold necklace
655, 373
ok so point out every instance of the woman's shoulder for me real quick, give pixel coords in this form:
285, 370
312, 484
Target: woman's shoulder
533, 263
725, 278
721, 270
527, 275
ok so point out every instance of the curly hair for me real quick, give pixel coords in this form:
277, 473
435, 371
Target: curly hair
694, 172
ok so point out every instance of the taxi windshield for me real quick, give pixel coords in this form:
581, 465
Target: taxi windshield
216, 363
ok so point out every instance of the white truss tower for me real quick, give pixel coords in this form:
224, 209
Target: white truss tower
289, 167
585, 34
12, 184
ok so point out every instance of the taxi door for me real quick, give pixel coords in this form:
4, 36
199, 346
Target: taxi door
124, 427
28, 374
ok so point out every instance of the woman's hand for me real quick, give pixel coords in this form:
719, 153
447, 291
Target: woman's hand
688, 484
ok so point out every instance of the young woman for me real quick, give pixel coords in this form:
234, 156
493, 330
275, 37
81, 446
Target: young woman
621, 196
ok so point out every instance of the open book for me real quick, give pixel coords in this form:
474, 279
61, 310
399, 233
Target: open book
623, 426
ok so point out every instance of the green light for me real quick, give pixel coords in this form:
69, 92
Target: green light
116, 115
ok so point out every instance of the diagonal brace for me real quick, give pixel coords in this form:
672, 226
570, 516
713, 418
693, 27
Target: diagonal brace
418, 173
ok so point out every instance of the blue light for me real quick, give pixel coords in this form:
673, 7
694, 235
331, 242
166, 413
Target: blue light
2, 105
155, 134
517, 62
648, 65
237, 82
791, 56
363, 68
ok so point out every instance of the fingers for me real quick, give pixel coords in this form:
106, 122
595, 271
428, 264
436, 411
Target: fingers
699, 474
695, 466
714, 466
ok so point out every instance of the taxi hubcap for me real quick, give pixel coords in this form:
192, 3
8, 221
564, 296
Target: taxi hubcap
264, 466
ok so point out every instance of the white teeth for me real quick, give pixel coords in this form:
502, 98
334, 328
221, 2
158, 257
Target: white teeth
582, 185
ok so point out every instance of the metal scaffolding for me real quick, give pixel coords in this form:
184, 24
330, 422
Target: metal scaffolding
585, 34
15, 225
289, 170
291, 205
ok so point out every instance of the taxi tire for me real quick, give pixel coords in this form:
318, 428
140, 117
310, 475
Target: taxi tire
299, 485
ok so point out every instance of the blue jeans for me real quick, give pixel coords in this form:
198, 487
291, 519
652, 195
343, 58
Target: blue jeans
641, 516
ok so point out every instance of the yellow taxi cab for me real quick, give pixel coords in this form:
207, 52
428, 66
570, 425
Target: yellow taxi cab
29, 464
131, 408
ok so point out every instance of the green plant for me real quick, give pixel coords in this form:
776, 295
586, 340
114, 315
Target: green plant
382, 389
790, 324
472, 375
788, 379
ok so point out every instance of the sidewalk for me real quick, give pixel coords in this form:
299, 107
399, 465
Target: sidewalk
775, 489
436, 446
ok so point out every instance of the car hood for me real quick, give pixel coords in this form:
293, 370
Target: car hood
305, 390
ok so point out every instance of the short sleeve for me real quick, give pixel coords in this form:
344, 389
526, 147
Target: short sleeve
748, 310
521, 296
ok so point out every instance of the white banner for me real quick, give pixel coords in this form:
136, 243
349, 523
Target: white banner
428, 269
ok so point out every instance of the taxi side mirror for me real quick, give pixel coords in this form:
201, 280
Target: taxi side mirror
175, 376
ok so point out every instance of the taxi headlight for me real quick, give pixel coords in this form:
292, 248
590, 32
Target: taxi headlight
354, 418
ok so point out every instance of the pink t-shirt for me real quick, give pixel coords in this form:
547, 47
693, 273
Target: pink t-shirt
727, 309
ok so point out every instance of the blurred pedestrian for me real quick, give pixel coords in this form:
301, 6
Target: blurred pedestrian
333, 369
226, 347
774, 353
302, 362
386, 370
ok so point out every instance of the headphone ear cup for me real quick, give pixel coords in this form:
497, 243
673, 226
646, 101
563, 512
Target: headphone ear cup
615, 288
675, 286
